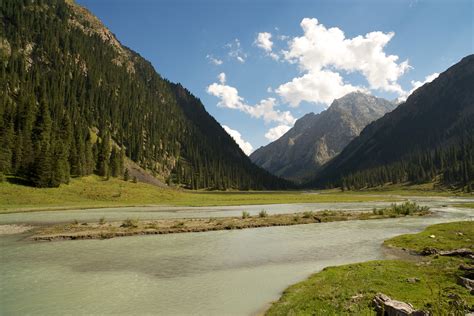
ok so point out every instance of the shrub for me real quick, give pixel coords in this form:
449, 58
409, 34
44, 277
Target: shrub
130, 223
245, 214
263, 213
407, 208
102, 221
308, 214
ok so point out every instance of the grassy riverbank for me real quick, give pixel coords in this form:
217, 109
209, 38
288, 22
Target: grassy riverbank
428, 283
130, 227
92, 192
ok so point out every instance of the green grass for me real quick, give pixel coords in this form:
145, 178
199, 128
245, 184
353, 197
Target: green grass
425, 189
92, 191
446, 236
349, 289
464, 205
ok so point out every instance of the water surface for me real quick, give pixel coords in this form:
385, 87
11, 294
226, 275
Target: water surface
214, 273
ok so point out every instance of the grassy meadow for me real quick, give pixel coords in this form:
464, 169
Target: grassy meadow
92, 191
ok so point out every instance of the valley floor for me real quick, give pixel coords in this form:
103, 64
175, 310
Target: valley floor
94, 192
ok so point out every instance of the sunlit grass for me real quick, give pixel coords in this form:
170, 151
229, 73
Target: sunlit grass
92, 191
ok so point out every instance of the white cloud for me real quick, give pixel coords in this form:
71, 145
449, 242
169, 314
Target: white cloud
416, 84
321, 86
235, 51
321, 53
264, 41
246, 147
221, 78
276, 132
214, 61
265, 109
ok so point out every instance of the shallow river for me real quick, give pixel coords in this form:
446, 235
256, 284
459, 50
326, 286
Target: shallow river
214, 273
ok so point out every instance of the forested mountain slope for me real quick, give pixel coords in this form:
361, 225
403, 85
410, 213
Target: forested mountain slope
74, 101
317, 138
430, 135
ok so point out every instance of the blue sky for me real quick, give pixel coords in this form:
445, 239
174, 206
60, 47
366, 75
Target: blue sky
283, 59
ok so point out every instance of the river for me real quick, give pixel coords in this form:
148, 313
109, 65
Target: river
235, 272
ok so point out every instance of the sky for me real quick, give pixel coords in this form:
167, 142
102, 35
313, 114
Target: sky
259, 65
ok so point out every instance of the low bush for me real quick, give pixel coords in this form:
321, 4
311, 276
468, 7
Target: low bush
130, 223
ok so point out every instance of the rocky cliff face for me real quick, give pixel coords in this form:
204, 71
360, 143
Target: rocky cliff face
316, 138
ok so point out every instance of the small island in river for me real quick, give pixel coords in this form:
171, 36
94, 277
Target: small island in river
132, 227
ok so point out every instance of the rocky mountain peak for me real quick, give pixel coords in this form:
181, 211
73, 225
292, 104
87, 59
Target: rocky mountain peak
317, 138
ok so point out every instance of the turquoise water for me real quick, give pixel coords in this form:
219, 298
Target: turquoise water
214, 273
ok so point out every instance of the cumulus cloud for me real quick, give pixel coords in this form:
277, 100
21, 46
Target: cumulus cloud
321, 53
264, 41
214, 61
265, 109
276, 132
246, 147
236, 51
416, 84
321, 86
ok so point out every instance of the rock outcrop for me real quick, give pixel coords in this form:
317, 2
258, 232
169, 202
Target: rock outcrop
385, 306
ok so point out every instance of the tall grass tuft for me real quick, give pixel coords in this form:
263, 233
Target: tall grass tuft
245, 214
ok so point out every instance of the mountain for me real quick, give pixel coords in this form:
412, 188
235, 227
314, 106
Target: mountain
428, 137
75, 101
317, 138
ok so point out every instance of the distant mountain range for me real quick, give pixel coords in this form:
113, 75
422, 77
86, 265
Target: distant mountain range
317, 138
428, 137
75, 101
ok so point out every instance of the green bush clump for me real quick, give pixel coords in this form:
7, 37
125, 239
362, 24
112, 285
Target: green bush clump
308, 214
245, 214
407, 208
263, 213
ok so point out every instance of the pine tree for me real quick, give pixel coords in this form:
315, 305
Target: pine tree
41, 169
103, 156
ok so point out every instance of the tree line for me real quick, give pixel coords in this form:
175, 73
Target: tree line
73, 104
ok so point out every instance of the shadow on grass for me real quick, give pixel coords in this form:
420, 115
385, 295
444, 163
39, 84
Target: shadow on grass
19, 181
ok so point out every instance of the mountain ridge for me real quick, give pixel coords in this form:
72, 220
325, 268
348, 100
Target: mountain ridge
317, 138
76, 101
427, 135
